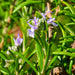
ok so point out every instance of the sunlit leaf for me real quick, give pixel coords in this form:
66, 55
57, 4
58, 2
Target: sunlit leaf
25, 3
69, 6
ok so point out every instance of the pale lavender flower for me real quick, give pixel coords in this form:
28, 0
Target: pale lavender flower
44, 14
35, 22
33, 26
50, 20
54, 24
31, 33
18, 41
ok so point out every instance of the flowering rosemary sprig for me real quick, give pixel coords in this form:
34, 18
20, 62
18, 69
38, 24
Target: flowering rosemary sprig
33, 26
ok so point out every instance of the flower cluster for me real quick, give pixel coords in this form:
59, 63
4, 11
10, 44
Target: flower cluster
35, 23
50, 20
12, 48
44, 14
18, 41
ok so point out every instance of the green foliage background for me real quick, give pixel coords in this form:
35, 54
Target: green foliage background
40, 56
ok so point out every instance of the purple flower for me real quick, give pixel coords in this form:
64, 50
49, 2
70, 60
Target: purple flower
54, 24
31, 33
44, 14
18, 41
33, 26
50, 20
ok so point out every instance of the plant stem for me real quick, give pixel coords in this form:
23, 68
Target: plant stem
23, 43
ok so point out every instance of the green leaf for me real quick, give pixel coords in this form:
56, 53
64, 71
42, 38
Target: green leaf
53, 60
56, 1
26, 51
2, 56
51, 63
64, 53
40, 55
66, 40
69, 6
13, 55
73, 19
63, 19
69, 29
43, 35
30, 10
40, 39
31, 65
31, 54
12, 41
16, 64
70, 23
25, 3
4, 3
62, 29
28, 59
4, 71
43, 5
47, 57
71, 49
73, 1
73, 36
70, 67
54, 36
70, 15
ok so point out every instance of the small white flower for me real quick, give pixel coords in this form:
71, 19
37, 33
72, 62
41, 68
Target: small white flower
8, 62
8, 52
6, 65
12, 48
20, 60
9, 48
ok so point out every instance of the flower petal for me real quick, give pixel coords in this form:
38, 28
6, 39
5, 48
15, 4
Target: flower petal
43, 15
21, 40
18, 41
18, 36
54, 24
29, 24
50, 20
31, 33
14, 40
35, 21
